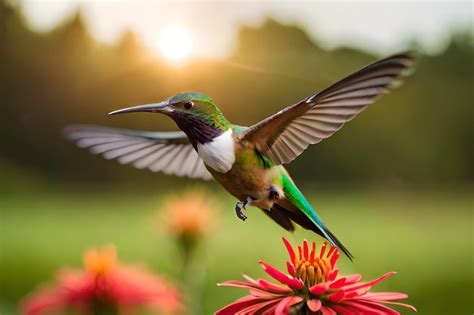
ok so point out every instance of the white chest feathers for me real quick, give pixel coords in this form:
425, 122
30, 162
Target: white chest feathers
219, 153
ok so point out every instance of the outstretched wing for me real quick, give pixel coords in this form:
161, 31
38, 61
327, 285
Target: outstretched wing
285, 135
168, 152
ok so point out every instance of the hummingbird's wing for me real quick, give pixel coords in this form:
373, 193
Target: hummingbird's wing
285, 135
168, 152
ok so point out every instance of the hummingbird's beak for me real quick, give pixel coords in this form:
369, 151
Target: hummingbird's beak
162, 107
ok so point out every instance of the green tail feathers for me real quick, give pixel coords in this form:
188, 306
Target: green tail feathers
335, 242
294, 195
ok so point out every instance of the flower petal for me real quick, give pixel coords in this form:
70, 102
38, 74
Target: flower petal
323, 250
259, 307
327, 310
411, 307
286, 303
338, 283
291, 268
377, 306
293, 283
385, 296
313, 253
401, 304
263, 294
269, 310
336, 297
49, 300
344, 281
370, 283
314, 304
305, 250
239, 284
289, 248
333, 275
364, 309
334, 258
344, 310
250, 279
276, 288
238, 305
254, 289
354, 294
319, 288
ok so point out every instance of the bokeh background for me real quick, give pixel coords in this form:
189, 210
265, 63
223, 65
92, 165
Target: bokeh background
396, 184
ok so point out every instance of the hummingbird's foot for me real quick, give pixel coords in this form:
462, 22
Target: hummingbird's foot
238, 210
241, 206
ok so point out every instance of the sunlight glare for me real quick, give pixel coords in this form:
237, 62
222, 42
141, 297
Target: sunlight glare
175, 43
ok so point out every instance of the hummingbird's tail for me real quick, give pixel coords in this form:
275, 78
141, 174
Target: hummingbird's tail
299, 210
296, 215
338, 243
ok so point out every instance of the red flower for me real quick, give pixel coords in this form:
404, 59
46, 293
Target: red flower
312, 286
103, 287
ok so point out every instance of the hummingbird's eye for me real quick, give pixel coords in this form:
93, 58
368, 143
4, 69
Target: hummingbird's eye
188, 104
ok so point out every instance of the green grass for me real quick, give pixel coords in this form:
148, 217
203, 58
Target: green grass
425, 237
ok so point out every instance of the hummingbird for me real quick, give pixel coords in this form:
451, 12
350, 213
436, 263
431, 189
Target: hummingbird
246, 161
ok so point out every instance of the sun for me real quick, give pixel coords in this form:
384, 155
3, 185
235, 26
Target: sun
175, 43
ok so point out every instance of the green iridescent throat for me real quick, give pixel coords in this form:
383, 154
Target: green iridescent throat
213, 117
210, 114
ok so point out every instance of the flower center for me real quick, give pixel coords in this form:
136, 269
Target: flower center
100, 262
312, 271
311, 266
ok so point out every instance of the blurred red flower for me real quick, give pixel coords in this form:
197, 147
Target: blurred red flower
312, 286
104, 287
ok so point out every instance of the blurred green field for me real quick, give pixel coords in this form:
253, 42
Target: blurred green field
426, 237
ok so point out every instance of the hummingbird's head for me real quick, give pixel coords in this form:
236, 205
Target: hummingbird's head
195, 113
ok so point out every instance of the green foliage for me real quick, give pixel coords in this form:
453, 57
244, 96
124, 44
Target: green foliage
420, 134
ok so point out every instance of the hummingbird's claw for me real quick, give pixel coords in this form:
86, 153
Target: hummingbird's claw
241, 206
238, 210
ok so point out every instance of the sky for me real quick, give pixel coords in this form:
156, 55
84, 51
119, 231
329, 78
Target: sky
211, 27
